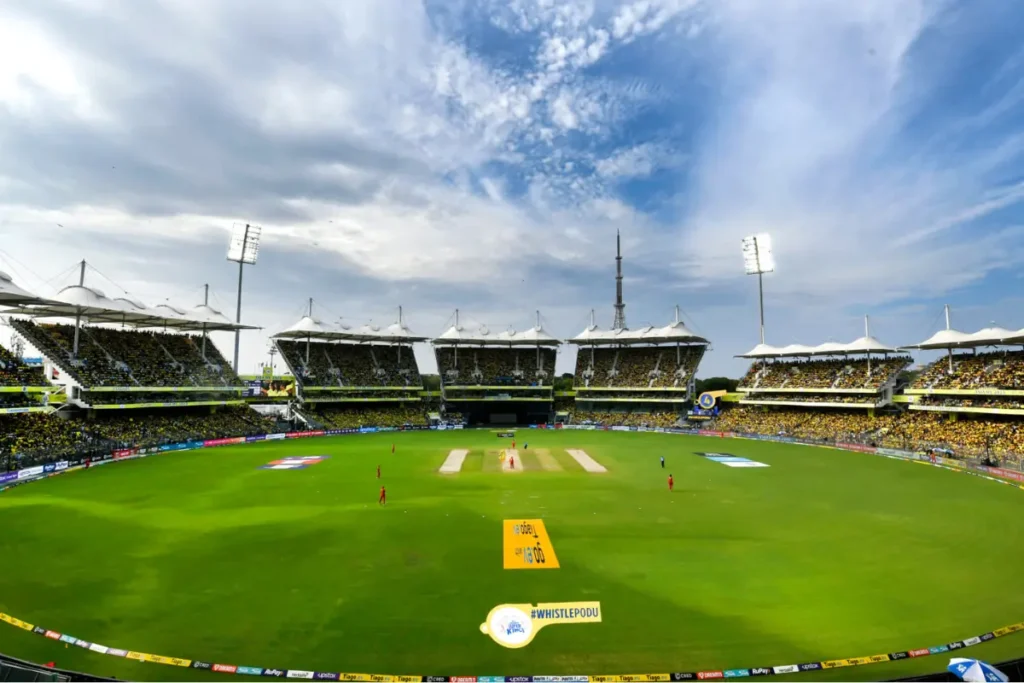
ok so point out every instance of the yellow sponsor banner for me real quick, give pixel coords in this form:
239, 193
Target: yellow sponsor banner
606, 679
379, 678
527, 545
515, 626
644, 678
408, 679
354, 677
1001, 632
875, 659
160, 659
14, 621
137, 656
858, 661
835, 663
1013, 627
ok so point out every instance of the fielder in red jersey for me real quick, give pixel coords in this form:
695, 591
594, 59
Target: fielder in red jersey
511, 462
383, 497
671, 482
378, 471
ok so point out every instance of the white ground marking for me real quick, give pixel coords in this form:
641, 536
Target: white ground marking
585, 461
511, 455
453, 463
547, 461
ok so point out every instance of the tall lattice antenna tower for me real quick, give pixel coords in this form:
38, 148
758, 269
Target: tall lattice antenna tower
620, 307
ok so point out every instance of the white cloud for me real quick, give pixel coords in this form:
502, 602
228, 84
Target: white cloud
793, 158
633, 162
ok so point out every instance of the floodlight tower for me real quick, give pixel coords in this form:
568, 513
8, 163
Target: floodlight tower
758, 260
244, 248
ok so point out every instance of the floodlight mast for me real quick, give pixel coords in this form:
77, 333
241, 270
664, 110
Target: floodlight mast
244, 248
757, 258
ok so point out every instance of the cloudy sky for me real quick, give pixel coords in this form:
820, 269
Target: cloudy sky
481, 154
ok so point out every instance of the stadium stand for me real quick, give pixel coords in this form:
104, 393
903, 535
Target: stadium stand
154, 428
974, 371
348, 416
110, 357
504, 378
351, 365
36, 438
635, 378
637, 418
472, 366
637, 367
833, 373
983, 436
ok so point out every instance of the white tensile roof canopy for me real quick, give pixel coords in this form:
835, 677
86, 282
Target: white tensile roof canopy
13, 295
480, 335
314, 329
955, 339
866, 344
673, 333
95, 307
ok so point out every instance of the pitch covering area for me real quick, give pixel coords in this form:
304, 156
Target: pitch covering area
822, 555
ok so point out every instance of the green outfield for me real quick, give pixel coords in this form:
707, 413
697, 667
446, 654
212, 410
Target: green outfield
204, 555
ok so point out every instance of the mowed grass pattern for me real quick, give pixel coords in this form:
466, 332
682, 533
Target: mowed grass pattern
203, 555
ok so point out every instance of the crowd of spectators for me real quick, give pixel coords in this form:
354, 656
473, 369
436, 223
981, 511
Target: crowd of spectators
140, 428
348, 416
352, 365
653, 418
911, 430
14, 372
995, 403
994, 370
20, 399
830, 373
491, 366
32, 438
637, 366
166, 398
803, 397
803, 423
130, 358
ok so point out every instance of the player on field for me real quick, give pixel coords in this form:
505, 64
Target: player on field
663, 462
671, 483
383, 497
392, 448
378, 471
511, 462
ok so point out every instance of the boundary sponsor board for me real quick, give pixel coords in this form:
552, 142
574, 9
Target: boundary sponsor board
539, 611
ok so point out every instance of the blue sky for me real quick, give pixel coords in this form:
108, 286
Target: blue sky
481, 155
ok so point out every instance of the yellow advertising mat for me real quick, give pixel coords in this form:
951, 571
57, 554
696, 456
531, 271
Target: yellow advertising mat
527, 545
515, 626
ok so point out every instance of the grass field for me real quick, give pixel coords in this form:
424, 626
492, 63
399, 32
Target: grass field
204, 555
